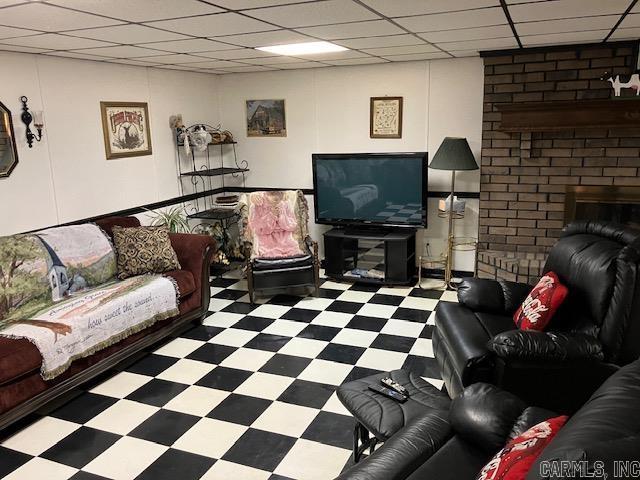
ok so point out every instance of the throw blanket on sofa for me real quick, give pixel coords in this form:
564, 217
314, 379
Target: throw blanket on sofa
57, 290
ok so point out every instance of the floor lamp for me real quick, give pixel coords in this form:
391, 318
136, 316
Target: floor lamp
453, 154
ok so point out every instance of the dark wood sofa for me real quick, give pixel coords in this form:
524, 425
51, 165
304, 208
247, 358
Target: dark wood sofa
22, 389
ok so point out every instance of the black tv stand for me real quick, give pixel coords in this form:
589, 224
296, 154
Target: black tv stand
390, 251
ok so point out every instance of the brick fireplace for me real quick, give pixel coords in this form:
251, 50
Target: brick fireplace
525, 174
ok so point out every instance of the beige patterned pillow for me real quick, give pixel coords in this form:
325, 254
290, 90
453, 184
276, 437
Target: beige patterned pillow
143, 250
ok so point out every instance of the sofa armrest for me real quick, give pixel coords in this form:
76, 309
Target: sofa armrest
557, 346
405, 451
492, 296
194, 254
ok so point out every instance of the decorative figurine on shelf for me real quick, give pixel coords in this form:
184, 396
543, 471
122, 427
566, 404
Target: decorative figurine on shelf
200, 138
618, 85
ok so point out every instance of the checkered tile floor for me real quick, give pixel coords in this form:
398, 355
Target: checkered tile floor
248, 395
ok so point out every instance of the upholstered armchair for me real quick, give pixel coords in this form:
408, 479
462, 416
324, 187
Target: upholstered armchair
594, 332
278, 249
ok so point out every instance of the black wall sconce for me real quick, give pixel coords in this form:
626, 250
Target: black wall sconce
27, 118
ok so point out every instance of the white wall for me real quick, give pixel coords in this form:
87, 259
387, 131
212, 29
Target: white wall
327, 110
66, 176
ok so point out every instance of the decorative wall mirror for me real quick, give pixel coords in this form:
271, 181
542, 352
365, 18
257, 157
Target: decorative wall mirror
8, 150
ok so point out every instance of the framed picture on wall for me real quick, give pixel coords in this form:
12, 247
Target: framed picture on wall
266, 118
126, 129
385, 117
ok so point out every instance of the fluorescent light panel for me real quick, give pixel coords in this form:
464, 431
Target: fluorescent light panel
308, 48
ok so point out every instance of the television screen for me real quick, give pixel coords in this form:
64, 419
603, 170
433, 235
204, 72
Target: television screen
372, 188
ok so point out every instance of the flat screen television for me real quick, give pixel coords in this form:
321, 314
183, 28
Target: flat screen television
378, 189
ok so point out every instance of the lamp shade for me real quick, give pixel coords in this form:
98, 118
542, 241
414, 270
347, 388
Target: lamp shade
454, 154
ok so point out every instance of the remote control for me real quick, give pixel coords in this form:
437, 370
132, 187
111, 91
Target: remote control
387, 382
387, 392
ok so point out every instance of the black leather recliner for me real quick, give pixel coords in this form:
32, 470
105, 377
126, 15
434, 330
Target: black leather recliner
596, 329
483, 418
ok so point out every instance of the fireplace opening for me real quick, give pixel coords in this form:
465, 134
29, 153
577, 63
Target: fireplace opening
607, 204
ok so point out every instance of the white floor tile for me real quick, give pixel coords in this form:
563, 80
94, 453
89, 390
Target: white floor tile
403, 328
186, 371
264, 385
381, 359
216, 290
121, 385
42, 469
122, 417
335, 406
355, 337
422, 347
223, 470
247, 359
40, 436
125, 459
197, 400
355, 296
209, 437
432, 319
217, 304
419, 303
336, 285
179, 348
377, 310
303, 347
285, 418
233, 337
314, 303
313, 461
222, 319
324, 371
436, 383
332, 319
401, 291
450, 296
270, 311
287, 328
240, 285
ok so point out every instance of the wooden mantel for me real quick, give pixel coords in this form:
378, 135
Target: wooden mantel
552, 116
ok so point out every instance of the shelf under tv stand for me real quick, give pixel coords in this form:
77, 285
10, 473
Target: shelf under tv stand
391, 250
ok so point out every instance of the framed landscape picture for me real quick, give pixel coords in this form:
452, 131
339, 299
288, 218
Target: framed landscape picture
385, 117
126, 129
266, 118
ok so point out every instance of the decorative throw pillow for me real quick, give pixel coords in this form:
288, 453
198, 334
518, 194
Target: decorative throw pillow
514, 461
143, 250
541, 304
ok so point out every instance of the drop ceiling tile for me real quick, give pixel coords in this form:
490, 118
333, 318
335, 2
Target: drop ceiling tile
292, 66
370, 28
417, 56
465, 53
10, 32
189, 46
53, 41
560, 38
170, 59
448, 21
8, 3
248, 69
49, 18
272, 60
459, 35
263, 39
626, 34
214, 25
316, 13
401, 8
554, 9
376, 42
127, 34
357, 61
487, 44
140, 10
631, 21
130, 61
236, 54
567, 25
321, 57
15, 48
121, 51
243, 4
215, 64
80, 56
402, 50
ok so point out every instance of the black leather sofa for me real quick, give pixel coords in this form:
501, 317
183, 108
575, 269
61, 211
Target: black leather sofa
596, 329
483, 418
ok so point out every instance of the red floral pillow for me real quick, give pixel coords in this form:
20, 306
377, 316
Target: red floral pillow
514, 461
541, 304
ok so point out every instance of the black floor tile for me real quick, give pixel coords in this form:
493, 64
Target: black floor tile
164, 427
319, 332
250, 449
80, 447
329, 293
240, 409
176, 464
11, 460
278, 477
393, 342
371, 324
87, 476
211, 353
307, 394
84, 407
301, 315
423, 366
418, 292
344, 307
255, 324
331, 429
223, 282
285, 300
363, 287
411, 314
360, 372
383, 299
230, 294
341, 353
202, 332
223, 378
157, 392
286, 365
268, 342
152, 365
427, 331
240, 307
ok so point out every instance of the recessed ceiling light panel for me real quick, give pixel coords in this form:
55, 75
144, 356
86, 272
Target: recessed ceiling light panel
307, 48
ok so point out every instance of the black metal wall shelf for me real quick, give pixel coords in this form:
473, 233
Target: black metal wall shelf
214, 172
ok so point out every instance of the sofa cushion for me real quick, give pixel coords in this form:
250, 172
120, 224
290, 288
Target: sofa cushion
144, 250
108, 223
541, 304
184, 280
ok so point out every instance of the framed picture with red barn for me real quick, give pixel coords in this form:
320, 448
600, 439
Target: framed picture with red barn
126, 129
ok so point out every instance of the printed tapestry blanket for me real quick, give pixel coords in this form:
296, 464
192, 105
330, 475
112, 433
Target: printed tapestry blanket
58, 290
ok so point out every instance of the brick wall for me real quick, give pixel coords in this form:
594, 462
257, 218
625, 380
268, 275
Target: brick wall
524, 175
